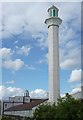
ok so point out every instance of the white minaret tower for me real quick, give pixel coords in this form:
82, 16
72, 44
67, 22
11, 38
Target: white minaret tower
53, 23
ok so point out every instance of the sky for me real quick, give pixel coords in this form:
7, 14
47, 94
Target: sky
24, 48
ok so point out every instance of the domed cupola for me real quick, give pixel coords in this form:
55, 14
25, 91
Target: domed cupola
26, 93
53, 11
26, 97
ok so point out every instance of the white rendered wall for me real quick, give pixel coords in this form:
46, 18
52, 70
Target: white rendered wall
7, 105
54, 89
27, 113
18, 99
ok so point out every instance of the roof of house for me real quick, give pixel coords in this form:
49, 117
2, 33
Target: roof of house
26, 106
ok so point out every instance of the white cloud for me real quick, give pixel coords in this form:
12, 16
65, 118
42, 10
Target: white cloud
41, 39
75, 76
38, 93
7, 62
1, 21
69, 14
44, 59
70, 52
66, 33
10, 82
14, 17
6, 92
5, 53
15, 21
30, 67
12, 22
24, 50
17, 64
13, 65
70, 56
67, 63
74, 90
70, 63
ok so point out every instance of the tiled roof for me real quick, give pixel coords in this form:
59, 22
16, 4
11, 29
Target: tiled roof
27, 106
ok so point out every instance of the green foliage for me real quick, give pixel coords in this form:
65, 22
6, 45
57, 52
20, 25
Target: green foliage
43, 111
7, 118
15, 118
67, 108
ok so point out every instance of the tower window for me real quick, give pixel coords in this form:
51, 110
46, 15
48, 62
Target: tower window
50, 12
53, 13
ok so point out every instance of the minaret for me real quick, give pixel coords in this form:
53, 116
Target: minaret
53, 22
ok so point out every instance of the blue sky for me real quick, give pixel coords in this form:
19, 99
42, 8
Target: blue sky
25, 48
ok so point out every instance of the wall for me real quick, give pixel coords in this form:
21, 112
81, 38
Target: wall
27, 113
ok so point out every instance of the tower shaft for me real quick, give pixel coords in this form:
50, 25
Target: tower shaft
54, 89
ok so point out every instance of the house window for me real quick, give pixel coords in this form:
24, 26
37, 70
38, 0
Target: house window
27, 99
18, 98
5, 105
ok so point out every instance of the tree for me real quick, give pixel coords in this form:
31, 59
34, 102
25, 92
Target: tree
45, 112
67, 108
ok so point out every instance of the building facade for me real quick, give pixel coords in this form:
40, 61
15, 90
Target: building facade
21, 106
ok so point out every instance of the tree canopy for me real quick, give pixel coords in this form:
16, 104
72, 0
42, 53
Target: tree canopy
67, 108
